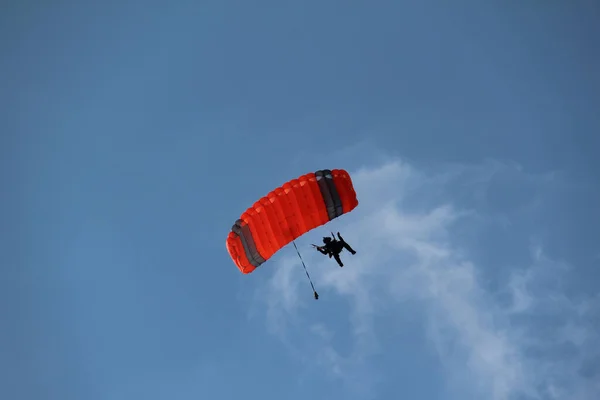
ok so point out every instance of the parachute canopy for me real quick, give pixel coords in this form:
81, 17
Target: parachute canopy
288, 212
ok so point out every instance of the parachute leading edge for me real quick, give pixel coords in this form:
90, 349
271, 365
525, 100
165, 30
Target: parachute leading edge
288, 212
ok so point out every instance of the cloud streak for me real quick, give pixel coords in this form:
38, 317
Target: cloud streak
517, 335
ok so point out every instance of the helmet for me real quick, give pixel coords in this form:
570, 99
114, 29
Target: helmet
326, 239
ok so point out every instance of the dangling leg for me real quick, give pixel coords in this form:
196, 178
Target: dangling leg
346, 245
337, 258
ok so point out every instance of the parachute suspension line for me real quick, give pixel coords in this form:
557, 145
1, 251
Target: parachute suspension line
305, 270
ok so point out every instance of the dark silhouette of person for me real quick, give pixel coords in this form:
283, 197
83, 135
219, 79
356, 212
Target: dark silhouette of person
333, 247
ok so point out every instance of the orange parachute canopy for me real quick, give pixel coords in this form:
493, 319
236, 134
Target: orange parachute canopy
288, 212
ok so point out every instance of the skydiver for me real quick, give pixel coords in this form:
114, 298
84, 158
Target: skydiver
333, 247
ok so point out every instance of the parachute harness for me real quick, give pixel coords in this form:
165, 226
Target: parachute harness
305, 270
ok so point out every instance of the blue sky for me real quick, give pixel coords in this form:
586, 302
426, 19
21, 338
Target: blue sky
135, 133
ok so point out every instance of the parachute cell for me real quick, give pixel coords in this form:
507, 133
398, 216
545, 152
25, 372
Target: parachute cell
288, 212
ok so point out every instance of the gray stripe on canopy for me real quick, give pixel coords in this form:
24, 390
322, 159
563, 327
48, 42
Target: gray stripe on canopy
332, 199
243, 231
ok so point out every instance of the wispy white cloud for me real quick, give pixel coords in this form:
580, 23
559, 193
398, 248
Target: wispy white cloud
530, 340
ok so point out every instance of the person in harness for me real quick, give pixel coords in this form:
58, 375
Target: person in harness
333, 247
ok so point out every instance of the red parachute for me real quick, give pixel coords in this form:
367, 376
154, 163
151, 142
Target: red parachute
288, 212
